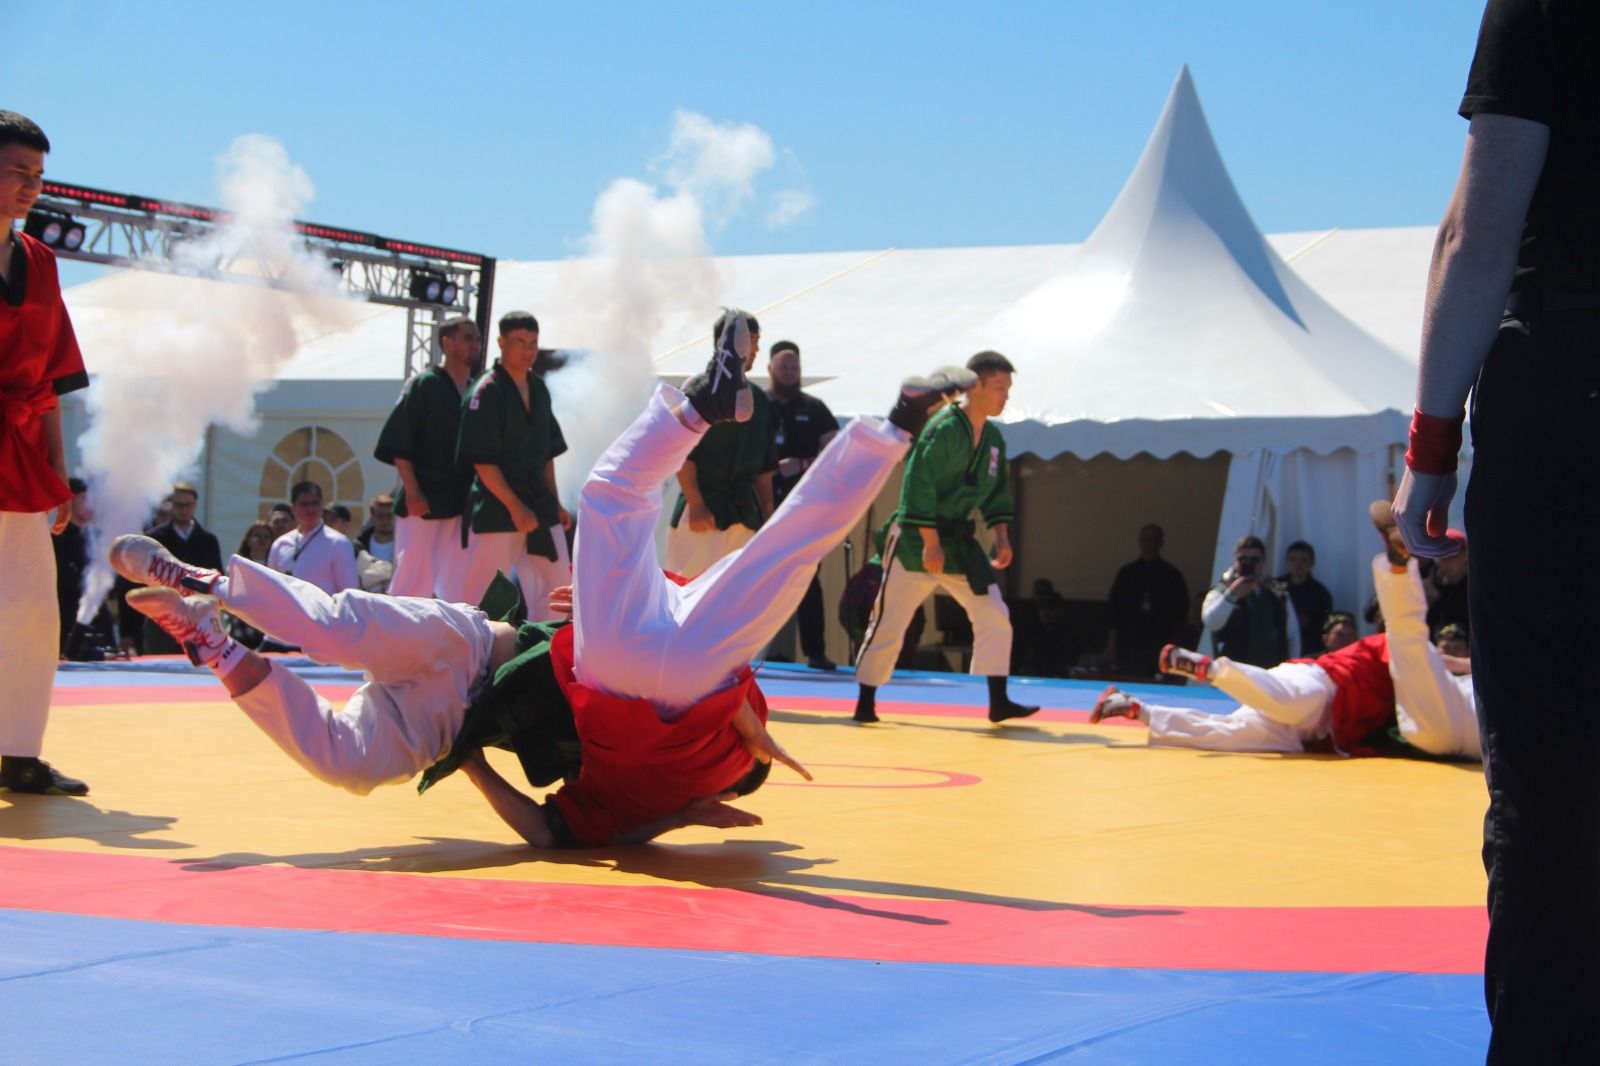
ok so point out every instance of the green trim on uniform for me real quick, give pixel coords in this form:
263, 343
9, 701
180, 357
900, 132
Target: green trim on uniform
497, 429
727, 462
422, 429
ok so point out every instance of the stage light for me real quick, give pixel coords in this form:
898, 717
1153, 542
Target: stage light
448, 296
55, 230
428, 286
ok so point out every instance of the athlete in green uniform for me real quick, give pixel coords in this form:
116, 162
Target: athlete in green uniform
957, 467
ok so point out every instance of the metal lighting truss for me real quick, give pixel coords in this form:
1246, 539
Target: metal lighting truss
144, 233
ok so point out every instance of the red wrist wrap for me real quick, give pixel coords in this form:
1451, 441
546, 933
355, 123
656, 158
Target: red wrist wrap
1435, 443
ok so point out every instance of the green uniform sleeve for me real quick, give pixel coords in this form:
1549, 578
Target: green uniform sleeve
931, 459
398, 440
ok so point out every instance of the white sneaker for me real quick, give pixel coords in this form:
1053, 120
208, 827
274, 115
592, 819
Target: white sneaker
140, 559
194, 622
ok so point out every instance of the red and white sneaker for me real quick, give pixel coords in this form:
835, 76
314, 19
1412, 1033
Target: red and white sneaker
140, 559
1115, 703
194, 622
1176, 660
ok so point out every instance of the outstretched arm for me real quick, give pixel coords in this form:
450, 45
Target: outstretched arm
518, 810
711, 810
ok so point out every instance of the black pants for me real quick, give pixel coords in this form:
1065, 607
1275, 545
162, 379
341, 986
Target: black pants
1533, 528
809, 617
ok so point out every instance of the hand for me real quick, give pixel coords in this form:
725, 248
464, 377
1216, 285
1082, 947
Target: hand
1002, 554
933, 558
561, 600
700, 518
715, 812
564, 517
525, 521
761, 743
1242, 587
790, 467
1422, 511
63, 514
418, 505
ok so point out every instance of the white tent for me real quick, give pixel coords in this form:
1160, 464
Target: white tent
1175, 346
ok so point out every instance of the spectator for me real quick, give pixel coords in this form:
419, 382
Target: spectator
727, 480
280, 519
39, 361
1149, 604
1311, 598
1452, 640
804, 426
1446, 588
511, 438
1251, 618
79, 643
186, 538
311, 551
378, 537
256, 542
1053, 652
1339, 631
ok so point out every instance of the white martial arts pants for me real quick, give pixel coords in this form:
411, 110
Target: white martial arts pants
1435, 708
690, 554
508, 554
902, 594
1282, 709
423, 659
429, 559
637, 634
30, 630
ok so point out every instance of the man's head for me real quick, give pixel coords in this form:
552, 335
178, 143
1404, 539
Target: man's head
461, 342
1152, 538
81, 513
306, 501
783, 365
1339, 630
1299, 560
519, 343
381, 511
280, 519
184, 499
1249, 555
726, 319
338, 518
22, 150
1452, 640
988, 397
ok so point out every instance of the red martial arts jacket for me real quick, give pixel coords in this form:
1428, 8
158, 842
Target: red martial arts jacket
1364, 698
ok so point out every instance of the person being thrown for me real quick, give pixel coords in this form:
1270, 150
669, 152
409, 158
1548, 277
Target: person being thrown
650, 680
1345, 700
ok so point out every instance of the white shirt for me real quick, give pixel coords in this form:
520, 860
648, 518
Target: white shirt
381, 550
324, 557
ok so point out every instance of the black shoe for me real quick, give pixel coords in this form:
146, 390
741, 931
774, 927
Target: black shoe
821, 662
1009, 710
721, 394
918, 398
37, 777
866, 715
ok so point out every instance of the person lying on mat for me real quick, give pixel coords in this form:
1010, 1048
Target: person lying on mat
644, 701
1391, 693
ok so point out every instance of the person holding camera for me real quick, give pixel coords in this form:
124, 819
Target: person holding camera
1251, 617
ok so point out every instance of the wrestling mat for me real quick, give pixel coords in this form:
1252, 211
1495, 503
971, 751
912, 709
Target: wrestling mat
946, 891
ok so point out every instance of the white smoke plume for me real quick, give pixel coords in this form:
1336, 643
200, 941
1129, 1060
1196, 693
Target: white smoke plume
646, 256
184, 354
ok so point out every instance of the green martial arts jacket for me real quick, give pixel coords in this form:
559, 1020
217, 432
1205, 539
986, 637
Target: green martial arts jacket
496, 429
727, 462
422, 429
946, 479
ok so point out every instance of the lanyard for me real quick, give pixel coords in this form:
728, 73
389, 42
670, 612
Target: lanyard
305, 542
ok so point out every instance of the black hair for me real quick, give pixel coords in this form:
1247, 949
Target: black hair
1335, 617
726, 317
20, 129
77, 485
753, 778
451, 326
517, 320
990, 363
784, 346
301, 487
285, 508
341, 512
1302, 546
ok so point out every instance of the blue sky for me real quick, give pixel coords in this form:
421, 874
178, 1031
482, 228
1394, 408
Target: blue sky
493, 126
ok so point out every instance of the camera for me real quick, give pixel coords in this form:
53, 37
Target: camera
1247, 568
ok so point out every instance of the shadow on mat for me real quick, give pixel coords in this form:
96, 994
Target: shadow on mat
68, 818
1014, 730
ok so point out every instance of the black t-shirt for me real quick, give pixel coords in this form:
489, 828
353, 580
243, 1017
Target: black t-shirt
800, 424
1538, 60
